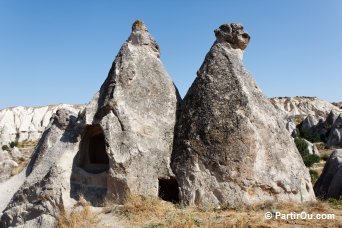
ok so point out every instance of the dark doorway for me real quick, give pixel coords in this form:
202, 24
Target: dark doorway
168, 190
93, 155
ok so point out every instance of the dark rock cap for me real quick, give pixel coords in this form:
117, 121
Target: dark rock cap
233, 34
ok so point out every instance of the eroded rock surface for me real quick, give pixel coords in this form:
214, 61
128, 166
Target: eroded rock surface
28, 123
46, 187
329, 184
136, 109
231, 146
335, 135
304, 106
120, 143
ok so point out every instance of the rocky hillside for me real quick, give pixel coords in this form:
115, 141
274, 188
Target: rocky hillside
338, 104
303, 106
28, 123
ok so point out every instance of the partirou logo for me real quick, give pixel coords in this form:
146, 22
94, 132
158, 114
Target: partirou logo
298, 215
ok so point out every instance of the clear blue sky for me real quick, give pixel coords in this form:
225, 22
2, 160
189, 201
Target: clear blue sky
61, 51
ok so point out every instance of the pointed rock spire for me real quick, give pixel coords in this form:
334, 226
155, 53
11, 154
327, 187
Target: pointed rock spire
136, 108
141, 36
231, 146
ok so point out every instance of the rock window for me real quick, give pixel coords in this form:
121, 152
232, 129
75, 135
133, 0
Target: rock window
93, 156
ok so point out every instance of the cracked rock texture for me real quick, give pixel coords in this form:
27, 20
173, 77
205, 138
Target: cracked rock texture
136, 108
231, 145
46, 187
120, 143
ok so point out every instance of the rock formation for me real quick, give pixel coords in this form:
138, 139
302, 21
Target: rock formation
309, 122
231, 146
136, 109
303, 106
338, 104
312, 148
120, 143
335, 134
28, 123
329, 184
328, 130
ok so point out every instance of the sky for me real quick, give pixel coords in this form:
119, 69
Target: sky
55, 52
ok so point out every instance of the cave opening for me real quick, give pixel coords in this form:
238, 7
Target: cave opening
168, 190
93, 155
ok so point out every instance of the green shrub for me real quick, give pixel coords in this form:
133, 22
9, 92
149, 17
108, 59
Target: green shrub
335, 202
311, 159
310, 135
302, 146
313, 175
5, 147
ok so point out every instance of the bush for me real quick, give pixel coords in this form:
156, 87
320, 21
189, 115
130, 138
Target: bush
335, 202
5, 147
310, 135
313, 175
302, 146
311, 159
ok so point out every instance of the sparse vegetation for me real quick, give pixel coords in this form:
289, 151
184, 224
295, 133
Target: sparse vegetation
309, 159
27, 143
314, 175
80, 216
310, 135
335, 202
298, 120
151, 212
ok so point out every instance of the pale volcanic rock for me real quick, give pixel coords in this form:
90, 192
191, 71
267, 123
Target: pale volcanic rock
329, 184
28, 122
335, 135
120, 143
46, 176
136, 109
303, 106
231, 145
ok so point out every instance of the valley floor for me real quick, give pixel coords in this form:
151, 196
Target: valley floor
152, 212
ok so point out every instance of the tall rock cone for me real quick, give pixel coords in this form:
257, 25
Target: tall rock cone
231, 147
136, 110
120, 144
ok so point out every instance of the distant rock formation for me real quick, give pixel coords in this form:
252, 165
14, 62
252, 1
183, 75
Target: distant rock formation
329, 184
295, 110
328, 130
120, 144
338, 104
231, 146
335, 134
28, 123
303, 106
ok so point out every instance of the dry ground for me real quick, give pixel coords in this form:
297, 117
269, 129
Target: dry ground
152, 212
